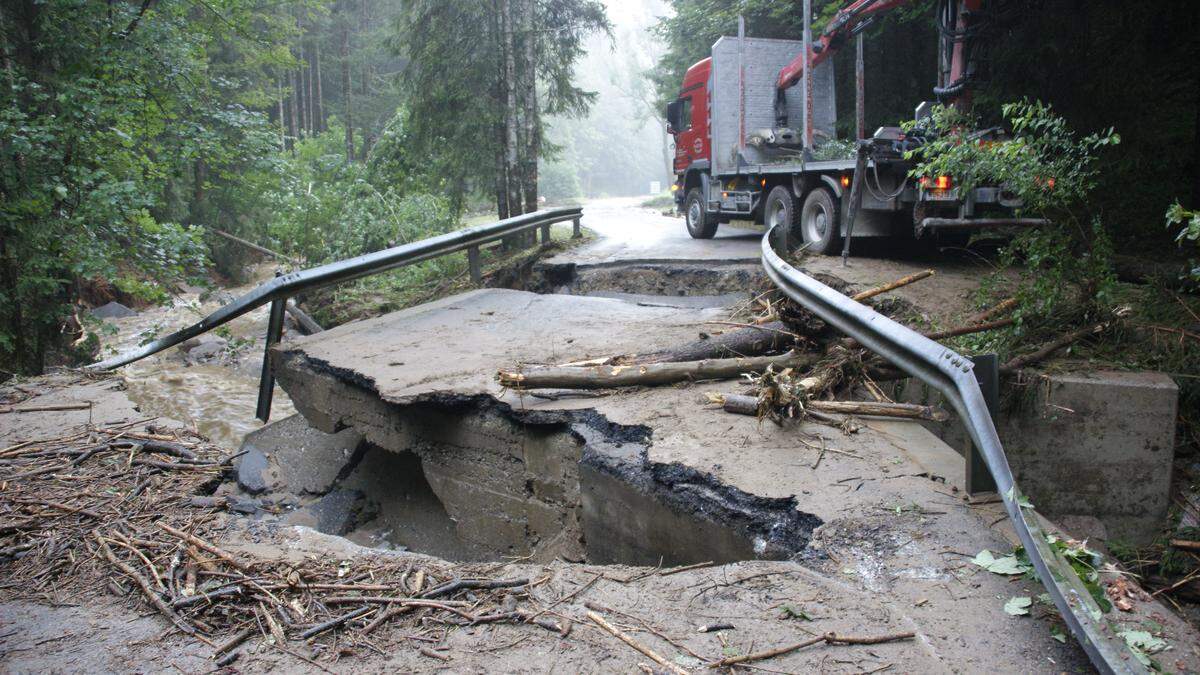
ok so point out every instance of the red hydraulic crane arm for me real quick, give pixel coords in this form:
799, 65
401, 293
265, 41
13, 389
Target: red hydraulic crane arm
834, 36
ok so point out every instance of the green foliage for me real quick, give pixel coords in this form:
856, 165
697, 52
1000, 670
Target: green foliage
329, 208
105, 109
1066, 267
1043, 163
1190, 231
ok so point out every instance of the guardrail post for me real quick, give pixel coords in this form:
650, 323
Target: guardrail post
473, 263
266, 384
575, 231
987, 373
545, 234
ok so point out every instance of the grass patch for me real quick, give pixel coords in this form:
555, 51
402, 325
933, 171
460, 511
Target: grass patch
427, 281
663, 201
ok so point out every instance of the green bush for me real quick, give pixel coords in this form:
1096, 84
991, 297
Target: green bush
326, 208
1066, 267
1190, 232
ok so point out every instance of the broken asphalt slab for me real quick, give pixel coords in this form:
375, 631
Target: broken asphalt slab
891, 527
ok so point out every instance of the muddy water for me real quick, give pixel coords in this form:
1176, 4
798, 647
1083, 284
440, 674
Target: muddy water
216, 395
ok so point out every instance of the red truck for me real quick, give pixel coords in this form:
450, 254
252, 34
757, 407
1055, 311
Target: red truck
750, 145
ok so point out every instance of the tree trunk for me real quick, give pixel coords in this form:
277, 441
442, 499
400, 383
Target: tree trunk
529, 173
305, 93
511, 164
293, 111
346, 89
604, 377
320, 99
283, 140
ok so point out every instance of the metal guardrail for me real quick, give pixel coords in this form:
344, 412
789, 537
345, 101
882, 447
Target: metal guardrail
951, 374
278, 290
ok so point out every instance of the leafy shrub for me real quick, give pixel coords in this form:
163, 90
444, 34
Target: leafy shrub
1067, 265
325, 208
1190, 232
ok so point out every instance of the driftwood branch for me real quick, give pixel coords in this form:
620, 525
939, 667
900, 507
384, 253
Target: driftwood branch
1049, 348
144, 585
742, 404
650, 653
903, 281
828, 638
603, 377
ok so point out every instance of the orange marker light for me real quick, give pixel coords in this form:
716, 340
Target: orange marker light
845, 181
943, 183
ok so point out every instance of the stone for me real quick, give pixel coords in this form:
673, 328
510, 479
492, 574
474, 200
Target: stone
112, 310
339, 511
250, 468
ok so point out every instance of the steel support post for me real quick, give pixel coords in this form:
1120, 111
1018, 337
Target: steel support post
474, 264
576, 232
987, 373
545, 234
266, 384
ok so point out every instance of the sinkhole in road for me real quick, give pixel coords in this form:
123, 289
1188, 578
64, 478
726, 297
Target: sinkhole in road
471, 479
687, 284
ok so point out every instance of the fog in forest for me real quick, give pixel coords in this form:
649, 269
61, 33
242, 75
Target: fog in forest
621, 146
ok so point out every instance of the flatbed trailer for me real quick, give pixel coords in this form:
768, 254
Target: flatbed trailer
736, 158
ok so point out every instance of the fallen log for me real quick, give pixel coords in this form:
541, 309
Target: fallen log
742, 404
648, 374
749, 341
1049, 348
1003, 307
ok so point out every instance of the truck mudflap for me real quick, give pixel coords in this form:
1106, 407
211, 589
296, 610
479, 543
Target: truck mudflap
970, 224
951, 373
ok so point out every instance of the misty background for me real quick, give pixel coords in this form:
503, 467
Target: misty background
621, 145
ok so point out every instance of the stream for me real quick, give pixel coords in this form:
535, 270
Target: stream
209, 382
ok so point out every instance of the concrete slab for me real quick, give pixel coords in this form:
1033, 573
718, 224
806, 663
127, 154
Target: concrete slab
892, 525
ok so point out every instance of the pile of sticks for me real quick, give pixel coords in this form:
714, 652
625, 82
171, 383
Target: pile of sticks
116, 509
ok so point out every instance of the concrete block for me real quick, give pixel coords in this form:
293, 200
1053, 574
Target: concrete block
292, 455
1098, 444
1088, 447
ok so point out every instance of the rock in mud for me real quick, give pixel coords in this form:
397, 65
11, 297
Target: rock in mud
251, 467
340, 511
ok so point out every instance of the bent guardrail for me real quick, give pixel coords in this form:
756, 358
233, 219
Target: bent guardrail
278, 290
950, 373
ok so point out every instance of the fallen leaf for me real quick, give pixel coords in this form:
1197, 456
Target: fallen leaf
1018, 606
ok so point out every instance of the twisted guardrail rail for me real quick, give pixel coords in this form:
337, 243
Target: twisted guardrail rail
278, 290
951, 373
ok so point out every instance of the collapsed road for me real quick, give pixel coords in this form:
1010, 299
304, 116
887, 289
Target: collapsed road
650, 476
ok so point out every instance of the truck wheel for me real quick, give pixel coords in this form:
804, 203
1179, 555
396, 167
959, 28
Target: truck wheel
700, 225
819, 223
780, 214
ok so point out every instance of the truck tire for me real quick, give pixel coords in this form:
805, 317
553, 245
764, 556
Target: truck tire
781, 214
820, 226
700, 224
